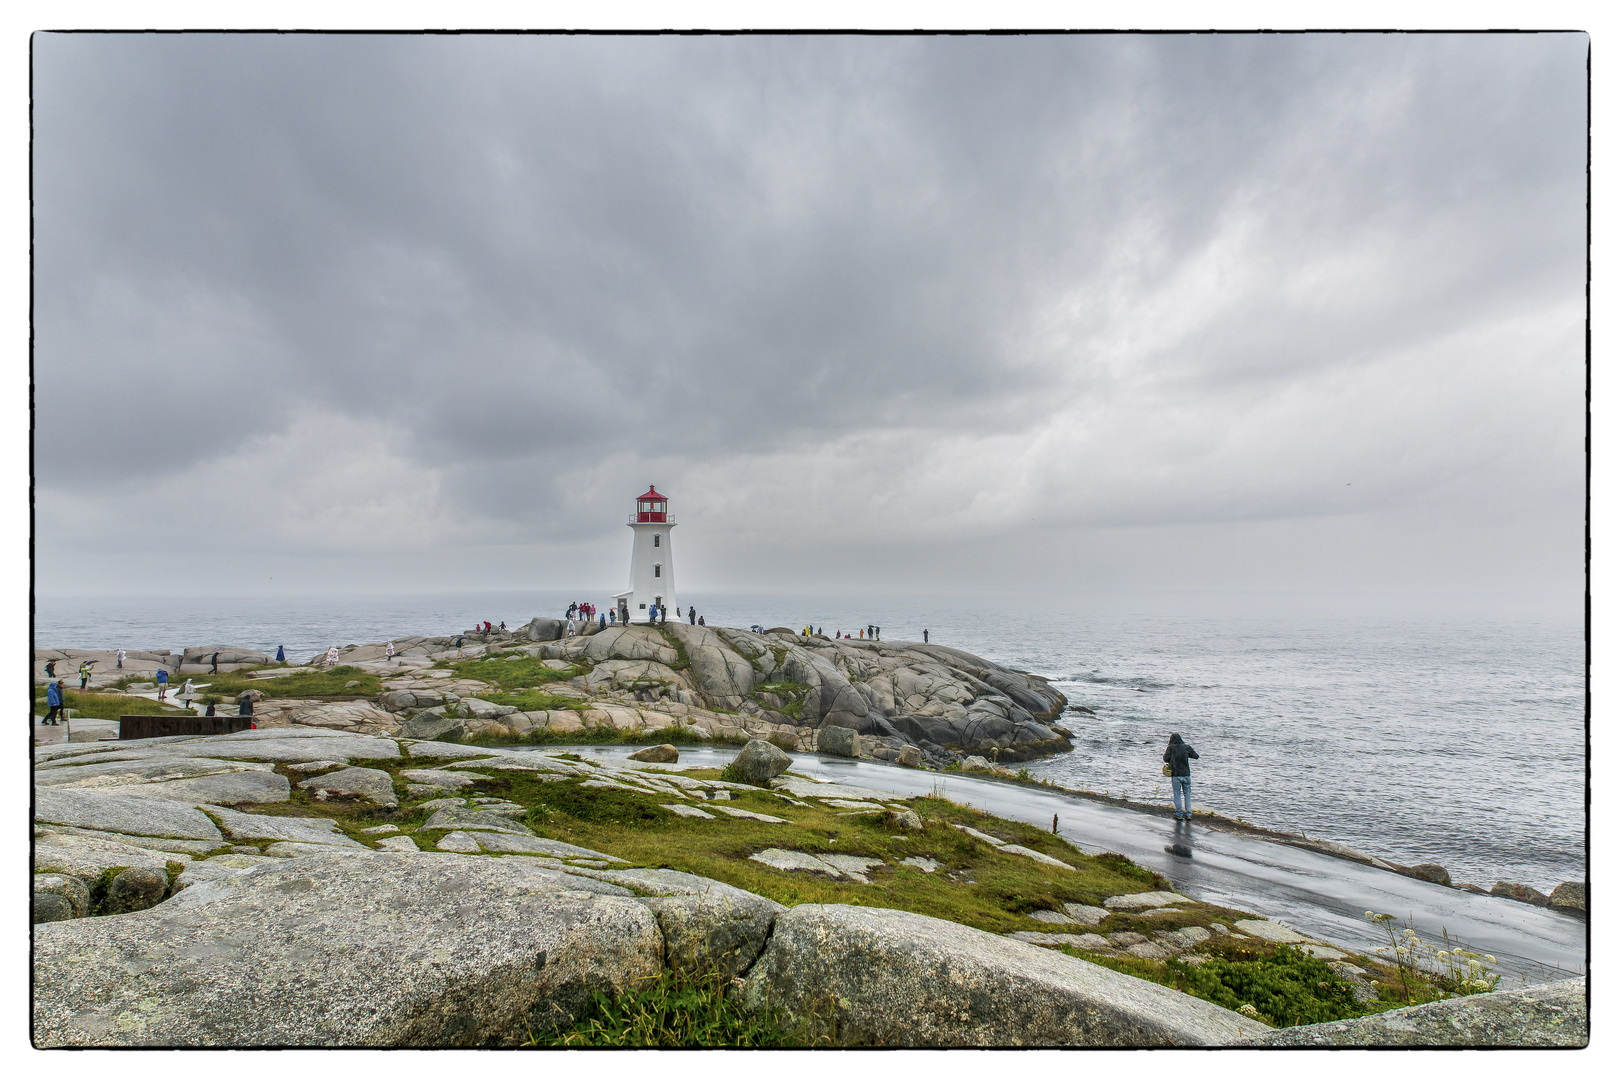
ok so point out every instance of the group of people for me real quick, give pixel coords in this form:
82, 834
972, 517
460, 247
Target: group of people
55, 695
871, 633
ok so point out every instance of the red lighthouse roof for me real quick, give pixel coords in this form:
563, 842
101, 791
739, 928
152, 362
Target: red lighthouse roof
652, 493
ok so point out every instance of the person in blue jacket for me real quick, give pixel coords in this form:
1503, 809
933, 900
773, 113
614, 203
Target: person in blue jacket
1176, 755
281, 654
53, 698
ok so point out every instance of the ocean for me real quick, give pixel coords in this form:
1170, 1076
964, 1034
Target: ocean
1445, 733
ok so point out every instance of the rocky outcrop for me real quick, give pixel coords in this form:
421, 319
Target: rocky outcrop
941, 702
480, 952
1541, 1016
877, 977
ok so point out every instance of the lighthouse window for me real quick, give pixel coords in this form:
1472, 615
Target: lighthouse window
658, 569
656, 538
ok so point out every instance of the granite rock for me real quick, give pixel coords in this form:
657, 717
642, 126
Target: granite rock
374, 785
1570, 897
240, 826
1552, 1015
136, 889
122, 814
479, 953
876, 977
73, 891
759, 762
843, 741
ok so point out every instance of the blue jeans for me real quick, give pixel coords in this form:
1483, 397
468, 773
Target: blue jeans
1181, 795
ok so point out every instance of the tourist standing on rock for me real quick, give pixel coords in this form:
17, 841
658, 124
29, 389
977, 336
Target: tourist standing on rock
700, 621
691, 615
162, 683
244, 704
390, 652
281, 654
53, 698
1176, 755
925, 635
213, 664
50, 669
332, 656
84, 674
120, 659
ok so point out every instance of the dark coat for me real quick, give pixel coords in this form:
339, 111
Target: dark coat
1177, 754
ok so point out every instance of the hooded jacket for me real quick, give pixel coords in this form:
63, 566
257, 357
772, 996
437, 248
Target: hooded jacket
1177, 754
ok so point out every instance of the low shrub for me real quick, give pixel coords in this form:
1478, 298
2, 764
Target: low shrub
672, 1011
1286, 988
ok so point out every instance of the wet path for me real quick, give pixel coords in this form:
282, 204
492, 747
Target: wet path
1317, 894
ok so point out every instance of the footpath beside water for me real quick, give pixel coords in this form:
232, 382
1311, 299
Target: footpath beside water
1322, 895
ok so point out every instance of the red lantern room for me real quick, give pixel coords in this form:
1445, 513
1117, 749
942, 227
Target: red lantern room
651, 507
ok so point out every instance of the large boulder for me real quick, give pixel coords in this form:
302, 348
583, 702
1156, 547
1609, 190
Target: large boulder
433, 725
377, 949
51, 907
1523, 893
759, 762
1431, 872
136, 889
542, 629
664, 753
1554, 1014
842, 741
374, 785
876, 977
1570, 896
72, 891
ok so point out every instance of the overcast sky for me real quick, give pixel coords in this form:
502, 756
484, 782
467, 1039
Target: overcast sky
385, 314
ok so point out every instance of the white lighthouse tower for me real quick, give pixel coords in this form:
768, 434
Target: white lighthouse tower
652, 563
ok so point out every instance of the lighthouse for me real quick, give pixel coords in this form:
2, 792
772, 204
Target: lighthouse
652, 563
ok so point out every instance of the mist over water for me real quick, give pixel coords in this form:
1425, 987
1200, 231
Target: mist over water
1455, 737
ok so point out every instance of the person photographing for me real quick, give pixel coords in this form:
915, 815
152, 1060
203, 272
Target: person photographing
1176, 757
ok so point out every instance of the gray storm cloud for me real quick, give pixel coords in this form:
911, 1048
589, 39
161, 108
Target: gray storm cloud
378, 311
